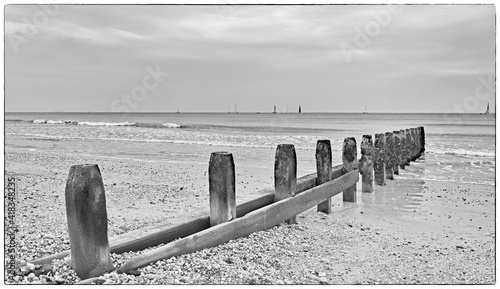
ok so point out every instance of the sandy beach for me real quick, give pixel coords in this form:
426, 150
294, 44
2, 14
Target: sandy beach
426, 233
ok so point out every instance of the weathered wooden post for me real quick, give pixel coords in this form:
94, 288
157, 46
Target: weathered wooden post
402, 137
422, 139
324, 170
222, 188
366, 168
409, 145
397, 152
87, 221
349, 163
419, 145
414, 148
285, 174
378, 159
389, 155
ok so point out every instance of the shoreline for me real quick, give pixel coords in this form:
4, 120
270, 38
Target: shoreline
442, 228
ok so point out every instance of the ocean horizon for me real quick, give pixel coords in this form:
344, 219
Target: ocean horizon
459, 147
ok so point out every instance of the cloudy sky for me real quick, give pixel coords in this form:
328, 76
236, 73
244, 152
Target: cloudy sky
330, 58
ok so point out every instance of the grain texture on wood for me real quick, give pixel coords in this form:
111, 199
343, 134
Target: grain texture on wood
285, 174
389, 155
378, 156
323, 171
397, 152
422, 139
409, 146
87, 221
402, 137
222, 188
349, 163
366, 164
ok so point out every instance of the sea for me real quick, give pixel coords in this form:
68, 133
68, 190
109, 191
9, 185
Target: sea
459, 147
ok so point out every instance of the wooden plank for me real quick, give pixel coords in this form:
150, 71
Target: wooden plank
324, 170
261, 219
87, 221
285, 174
188, 224
222, 188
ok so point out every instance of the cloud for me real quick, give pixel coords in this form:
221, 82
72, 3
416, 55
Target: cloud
209, 45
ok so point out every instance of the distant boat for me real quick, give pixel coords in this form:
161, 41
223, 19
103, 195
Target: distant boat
300, 109
487, 109
258, 111
235, 109
365, 112
177, 110
274, 109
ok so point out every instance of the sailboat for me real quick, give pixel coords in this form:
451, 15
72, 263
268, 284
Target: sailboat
487, 109
300, 109
274, 109
235, 109
177, 110
365, 112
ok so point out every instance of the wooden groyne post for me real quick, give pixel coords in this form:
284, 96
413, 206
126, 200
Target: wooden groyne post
349, 163
222, 188
285, 174
409, 146
389, 155
422, 139
404, 150
87, 221
366, 167
378, 159
415, 149
397, 152
324, 170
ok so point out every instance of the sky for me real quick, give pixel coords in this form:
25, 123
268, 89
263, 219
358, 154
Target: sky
326, 58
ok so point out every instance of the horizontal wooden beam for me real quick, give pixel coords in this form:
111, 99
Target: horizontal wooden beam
186, 225
258, 220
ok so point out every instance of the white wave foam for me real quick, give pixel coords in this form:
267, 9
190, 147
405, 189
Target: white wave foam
463, 152
92, 123
62, 122
39, 121
171, 125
